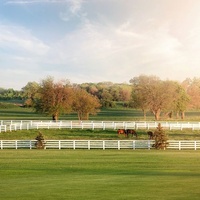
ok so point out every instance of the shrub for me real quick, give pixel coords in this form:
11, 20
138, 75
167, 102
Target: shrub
40, 144
160, 138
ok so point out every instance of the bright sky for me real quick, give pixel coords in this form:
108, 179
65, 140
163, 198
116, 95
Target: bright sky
98, 40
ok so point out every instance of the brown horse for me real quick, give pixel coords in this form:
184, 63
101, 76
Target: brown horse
127, 132
121, 131
150, 134
131, 131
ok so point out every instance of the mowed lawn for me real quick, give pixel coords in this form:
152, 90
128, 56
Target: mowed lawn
99, 174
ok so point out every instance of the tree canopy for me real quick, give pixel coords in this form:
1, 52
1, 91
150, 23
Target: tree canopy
54, 98
84, 104
148, 93
152, 94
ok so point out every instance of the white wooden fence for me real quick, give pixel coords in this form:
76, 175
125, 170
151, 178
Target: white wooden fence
98, 144
13, 125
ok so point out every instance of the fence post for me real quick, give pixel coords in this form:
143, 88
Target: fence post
114, 126
195, 145
104, 126
149, 145
88, 144
103, 144
16, 144
74, 145
134, 144
59, 146
179, 145
71, 125
118, 144
30, 144
125, 125
60, 124
1, 144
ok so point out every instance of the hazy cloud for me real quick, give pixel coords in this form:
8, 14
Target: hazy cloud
100, 40
34, 1
15, 37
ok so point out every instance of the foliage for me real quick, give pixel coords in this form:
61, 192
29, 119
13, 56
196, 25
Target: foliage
192, 88
84, 104
7, 94
151, 93
181, 102
160, 138
108, 93
148, 93
54, 98
30, 93
40, 144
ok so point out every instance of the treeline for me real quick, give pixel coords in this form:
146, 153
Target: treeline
148, 93
8, 94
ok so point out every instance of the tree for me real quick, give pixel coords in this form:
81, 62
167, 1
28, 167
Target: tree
54, 98
8, 94
181, 101
160, 138
151, 93
84, 103
40, 144
125, 92
30, 92
140, 97
192, 88
147, 94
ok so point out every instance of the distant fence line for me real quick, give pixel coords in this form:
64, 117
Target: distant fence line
13, 125
98, 144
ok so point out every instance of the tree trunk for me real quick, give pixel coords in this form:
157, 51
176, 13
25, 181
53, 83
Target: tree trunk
182, 115
55, 117
144, 114
157, 114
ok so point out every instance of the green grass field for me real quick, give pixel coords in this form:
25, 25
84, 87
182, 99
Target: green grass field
99, 174
110, 114
89, 134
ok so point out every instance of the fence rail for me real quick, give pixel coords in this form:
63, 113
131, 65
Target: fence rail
13, 125
98, 144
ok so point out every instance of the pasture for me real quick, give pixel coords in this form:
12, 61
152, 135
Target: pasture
111, 114
98, 174
89, 134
